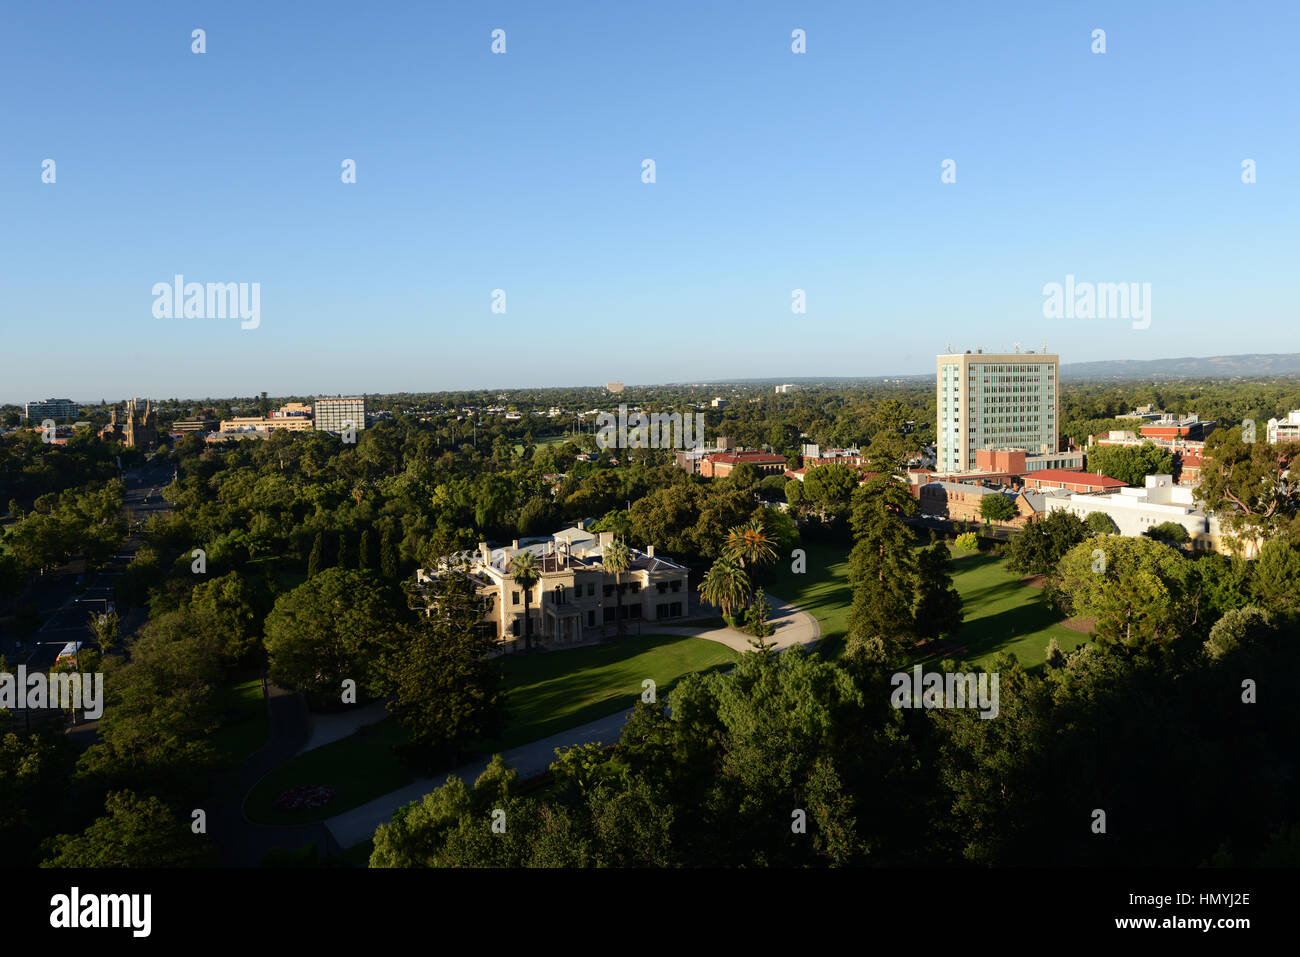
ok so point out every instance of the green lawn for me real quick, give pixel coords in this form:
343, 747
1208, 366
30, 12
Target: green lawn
822, 590
246, 727
1000, 614
547, 693
545, 440
551, 692
359, 768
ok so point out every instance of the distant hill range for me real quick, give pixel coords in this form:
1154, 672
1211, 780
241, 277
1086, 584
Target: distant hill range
1254, 366
1245, 367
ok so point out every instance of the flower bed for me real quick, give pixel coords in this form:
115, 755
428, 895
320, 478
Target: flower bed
305, 797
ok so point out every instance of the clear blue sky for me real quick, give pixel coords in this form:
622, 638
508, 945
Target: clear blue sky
522, 171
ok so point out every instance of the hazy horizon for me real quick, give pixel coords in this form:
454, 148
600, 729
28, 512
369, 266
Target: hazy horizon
720, 382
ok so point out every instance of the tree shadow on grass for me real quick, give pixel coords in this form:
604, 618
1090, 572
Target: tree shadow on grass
990, 593
548, 711
993, 633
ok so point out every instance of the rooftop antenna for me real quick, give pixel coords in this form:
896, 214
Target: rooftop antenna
1044, 346
950, 348
1017, 347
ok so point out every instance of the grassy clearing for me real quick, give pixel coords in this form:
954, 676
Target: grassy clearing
544, 440
1000, 614
359, 768
556, 690
822, 590
547, 693
552, 692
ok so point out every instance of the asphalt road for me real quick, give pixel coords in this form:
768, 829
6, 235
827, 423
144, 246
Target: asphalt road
66, 609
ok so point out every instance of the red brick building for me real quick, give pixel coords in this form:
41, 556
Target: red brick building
720, 464
960, 501
1000, 460
1082, 482
1190, 429
1190, 464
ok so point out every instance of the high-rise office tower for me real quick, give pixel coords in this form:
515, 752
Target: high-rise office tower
995, 400
335, 414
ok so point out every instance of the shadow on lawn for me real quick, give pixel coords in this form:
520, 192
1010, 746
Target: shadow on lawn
997, 632
530, 701
991, 593
991, 632
572, 686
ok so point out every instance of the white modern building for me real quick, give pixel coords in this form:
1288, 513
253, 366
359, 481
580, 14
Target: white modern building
1135, 510
1284, 430
995, 400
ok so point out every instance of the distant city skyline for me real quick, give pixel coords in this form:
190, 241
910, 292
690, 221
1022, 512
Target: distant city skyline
782, 180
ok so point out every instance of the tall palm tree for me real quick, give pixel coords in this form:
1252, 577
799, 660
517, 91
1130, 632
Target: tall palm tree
526, 573
617, 558
749, 544
725, 585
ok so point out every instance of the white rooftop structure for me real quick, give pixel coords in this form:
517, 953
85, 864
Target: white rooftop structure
1284, 430
1135, 510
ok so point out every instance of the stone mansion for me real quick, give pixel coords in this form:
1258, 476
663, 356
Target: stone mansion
574, 599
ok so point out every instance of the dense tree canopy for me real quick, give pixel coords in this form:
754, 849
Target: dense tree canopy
1248, 484
134, 832
1130, 463
1140, 591
1039, 546
882, 571
445, 688
333, 628
725, 770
